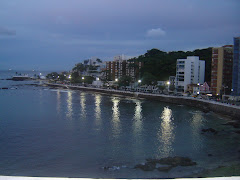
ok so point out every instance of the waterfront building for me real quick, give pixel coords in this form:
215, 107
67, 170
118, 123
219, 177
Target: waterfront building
221, 75
236, 68
189, 71
204, 88
120, 67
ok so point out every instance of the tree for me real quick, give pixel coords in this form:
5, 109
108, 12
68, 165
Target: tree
161, 88
52, 75
124, 81
88, 79
171, 87
79, 68
163, 64
149, 79
99, 60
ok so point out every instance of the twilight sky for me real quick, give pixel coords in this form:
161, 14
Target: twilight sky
56, 34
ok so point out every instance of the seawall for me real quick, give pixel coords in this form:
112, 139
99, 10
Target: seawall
205, 105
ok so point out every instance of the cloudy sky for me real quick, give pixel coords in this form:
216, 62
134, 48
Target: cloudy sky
56, 34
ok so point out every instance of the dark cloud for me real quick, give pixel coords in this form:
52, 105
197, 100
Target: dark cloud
7, 32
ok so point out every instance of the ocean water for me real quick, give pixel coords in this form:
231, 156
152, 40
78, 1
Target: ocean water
68, 133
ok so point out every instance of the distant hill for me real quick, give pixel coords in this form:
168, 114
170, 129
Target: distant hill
163, 64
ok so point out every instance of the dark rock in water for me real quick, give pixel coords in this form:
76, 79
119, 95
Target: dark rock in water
205, 110
233, 123
169, 162
4, 88
238, 132
165, 169
177, 161
210, 155
147, 166
113, 168
106, 167
210, 130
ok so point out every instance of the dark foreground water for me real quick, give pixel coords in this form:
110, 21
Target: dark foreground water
65, 133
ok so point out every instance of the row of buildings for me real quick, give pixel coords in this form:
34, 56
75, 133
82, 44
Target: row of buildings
225, 71
190, 72
225, 77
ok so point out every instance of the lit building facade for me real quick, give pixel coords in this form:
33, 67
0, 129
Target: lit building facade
221, 75
189, 71
236, 68
118, 68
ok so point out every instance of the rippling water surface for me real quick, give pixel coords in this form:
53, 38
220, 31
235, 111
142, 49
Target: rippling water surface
66, 133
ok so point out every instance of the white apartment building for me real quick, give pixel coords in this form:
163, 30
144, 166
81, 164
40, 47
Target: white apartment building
189, 71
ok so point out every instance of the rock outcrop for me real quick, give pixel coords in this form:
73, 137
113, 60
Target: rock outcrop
165, 164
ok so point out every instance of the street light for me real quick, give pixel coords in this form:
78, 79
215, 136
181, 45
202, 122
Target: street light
139, 81
97, 78
69, 77
168, 83
82, 78
198, 88
116, 79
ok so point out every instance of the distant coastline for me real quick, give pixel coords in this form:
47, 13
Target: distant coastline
204, 105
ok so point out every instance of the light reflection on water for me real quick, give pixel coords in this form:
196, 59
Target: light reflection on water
69, 105
196, 124
58, 102
98, 99
165, 134
137, 125
116, 117
83, 105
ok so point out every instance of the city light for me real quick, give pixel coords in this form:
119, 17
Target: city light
139, 80
97, 79
116, 79
82, 77
69, 77
198, 92
198, 84
168, 82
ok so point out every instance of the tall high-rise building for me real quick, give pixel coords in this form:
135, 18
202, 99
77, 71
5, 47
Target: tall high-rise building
119, 68
189, 71
236, 68
221, 75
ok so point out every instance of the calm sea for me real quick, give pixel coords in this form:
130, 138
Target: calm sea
67, 133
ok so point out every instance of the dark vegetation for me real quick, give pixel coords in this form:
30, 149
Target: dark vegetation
159, 65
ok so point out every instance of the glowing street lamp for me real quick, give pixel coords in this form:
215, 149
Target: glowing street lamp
116, 79
168, 83
139, 81
69, 77
82, 78
97, 78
